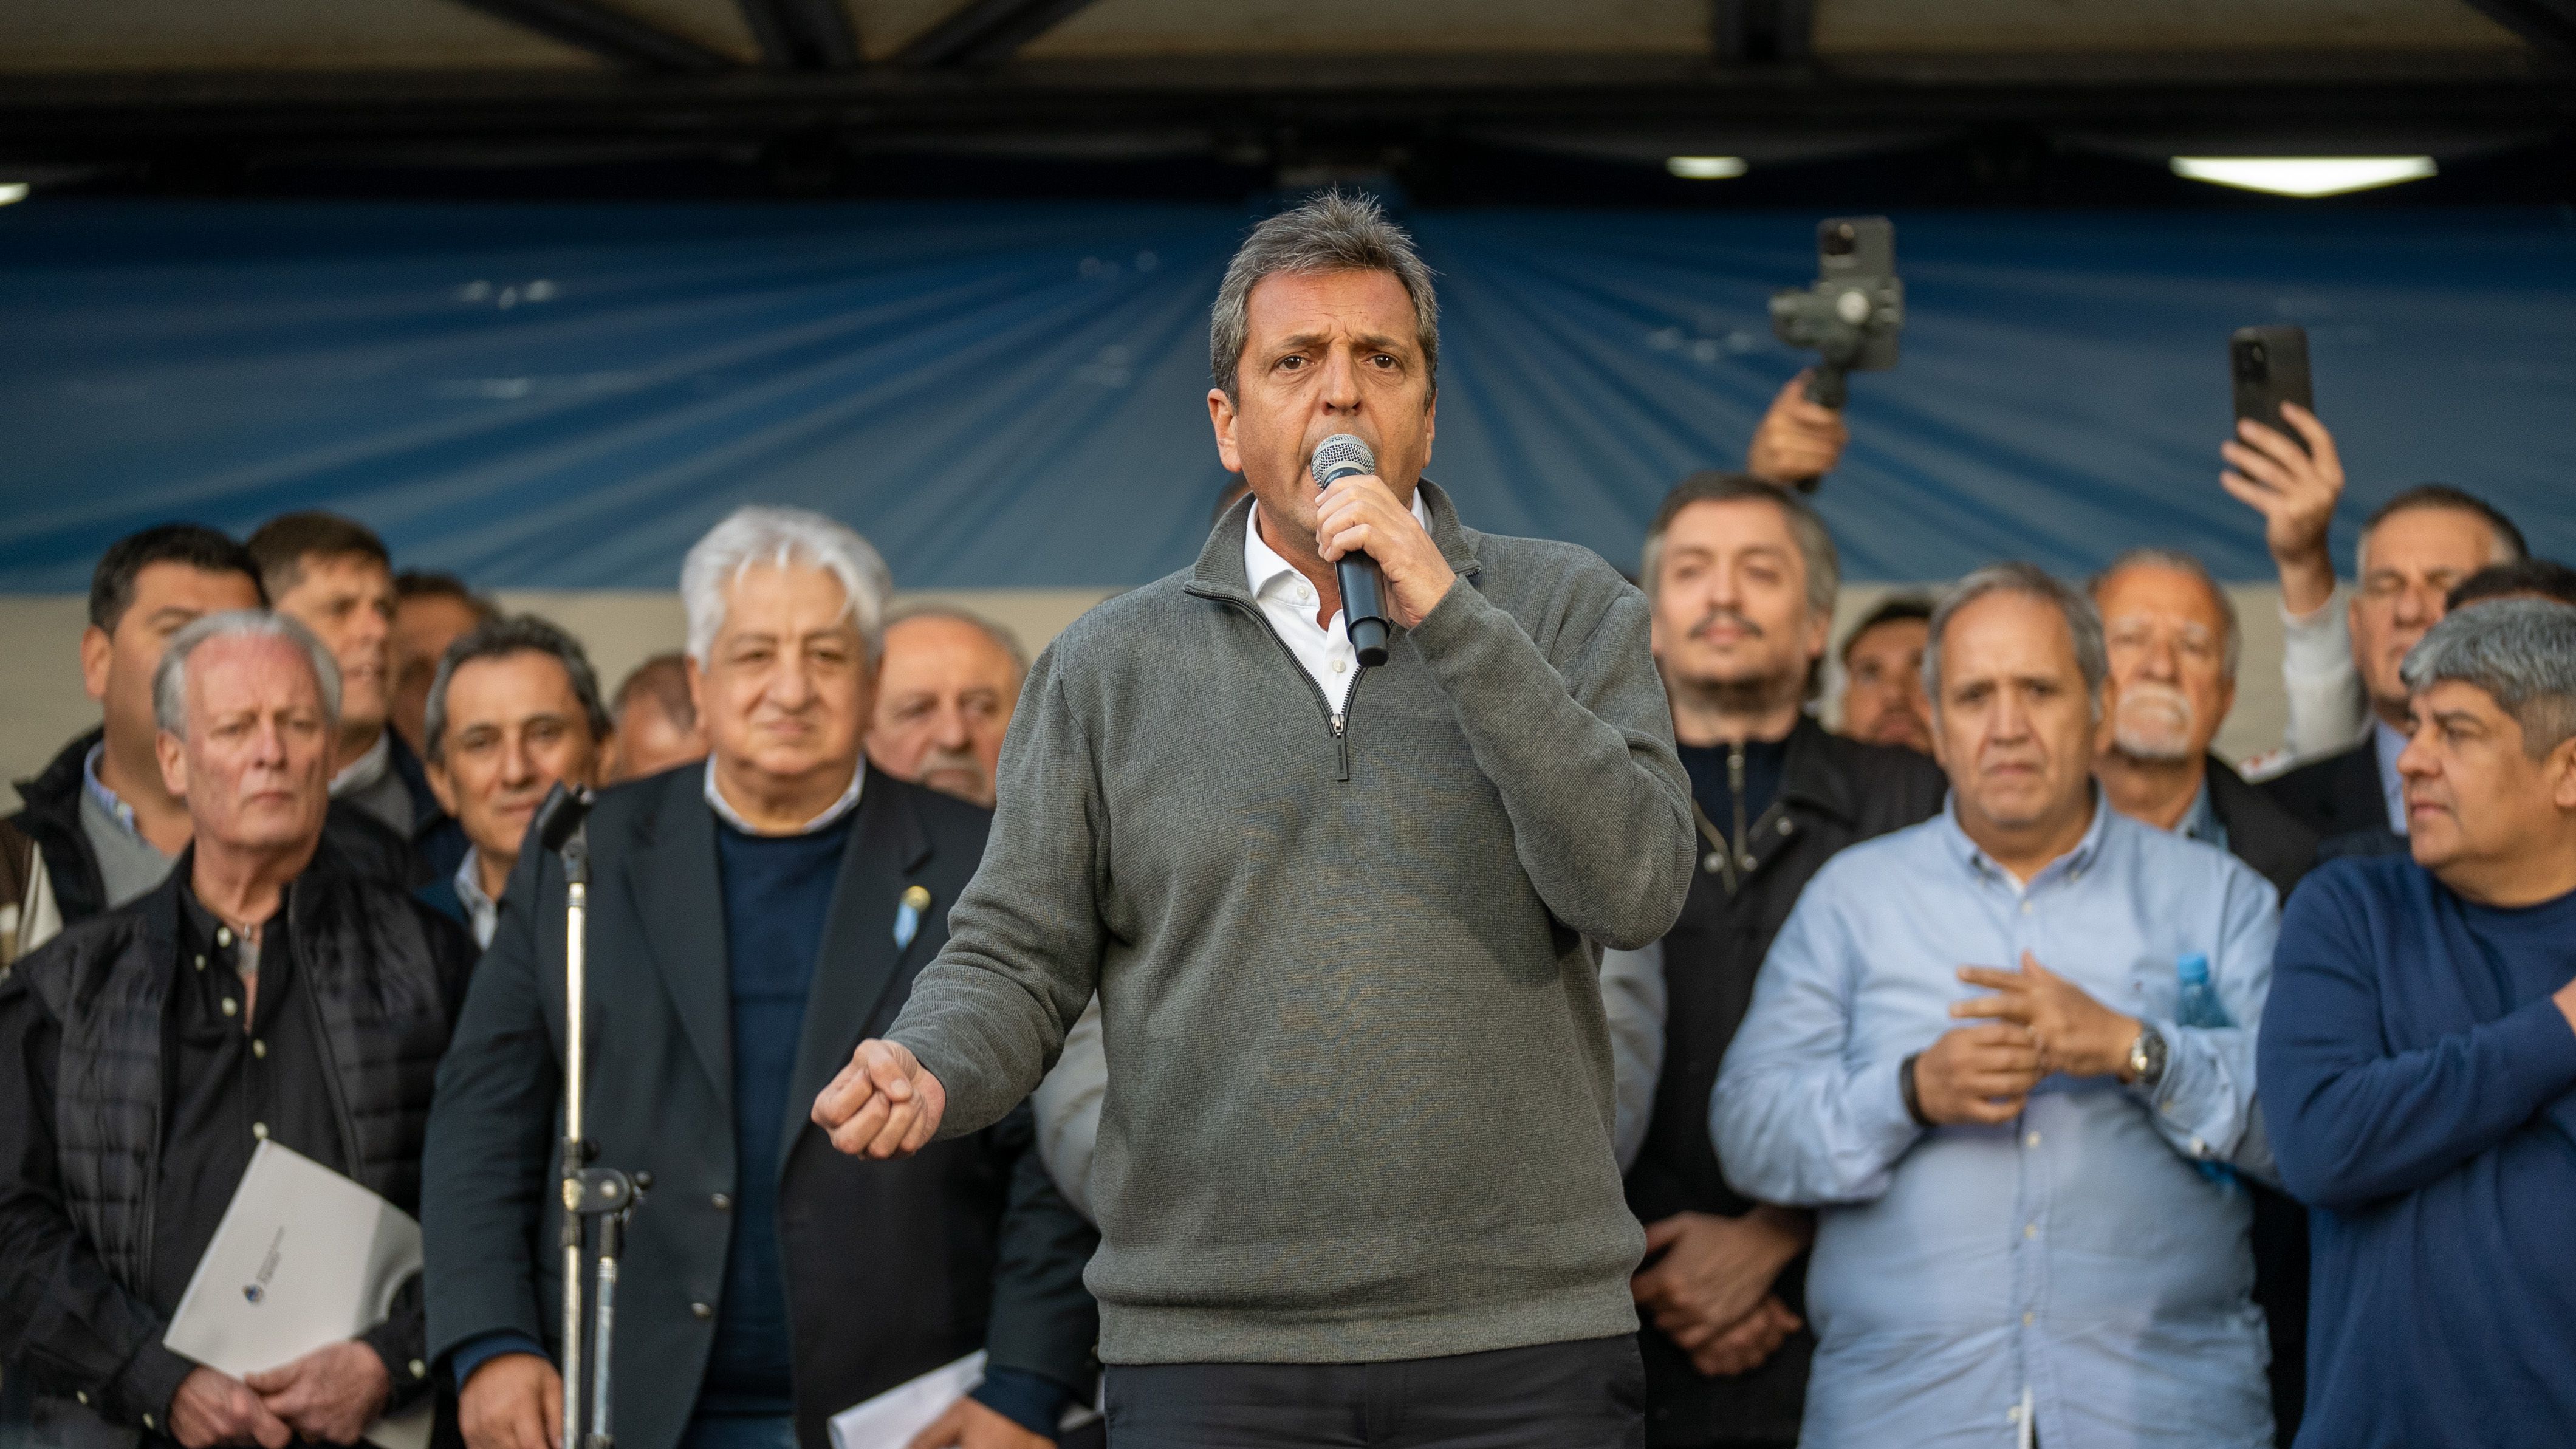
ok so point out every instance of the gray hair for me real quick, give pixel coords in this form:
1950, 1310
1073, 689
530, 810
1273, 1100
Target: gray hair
2181, 563
498, 638
1328, 232
170, 680
2083, 621
1002, 637
2520, 651
1824, 566
755, 536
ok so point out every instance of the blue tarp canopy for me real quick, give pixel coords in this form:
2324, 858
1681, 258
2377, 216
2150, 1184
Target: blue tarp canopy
1013, 395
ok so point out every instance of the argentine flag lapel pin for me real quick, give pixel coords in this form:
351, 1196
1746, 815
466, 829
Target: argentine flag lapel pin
907, 915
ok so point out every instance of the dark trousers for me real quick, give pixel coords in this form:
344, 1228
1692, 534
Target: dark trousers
1587, 1395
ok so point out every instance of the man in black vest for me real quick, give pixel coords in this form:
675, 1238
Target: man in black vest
1742, 577
259, 993
750, 921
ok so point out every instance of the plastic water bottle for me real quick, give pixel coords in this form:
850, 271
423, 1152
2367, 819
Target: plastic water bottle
2196, 1003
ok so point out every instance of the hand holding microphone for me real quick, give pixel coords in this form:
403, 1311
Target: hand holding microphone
1389, 569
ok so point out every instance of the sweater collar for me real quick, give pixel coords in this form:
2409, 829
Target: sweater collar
1220, 571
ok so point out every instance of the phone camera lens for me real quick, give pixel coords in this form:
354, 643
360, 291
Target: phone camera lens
2254, 355
1838, 240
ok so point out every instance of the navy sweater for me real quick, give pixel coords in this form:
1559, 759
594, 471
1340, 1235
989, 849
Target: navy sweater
2420, 1089
777, 890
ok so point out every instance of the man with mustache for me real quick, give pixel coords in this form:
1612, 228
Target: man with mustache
513, 708
944, 699
2015, 1234
2172, 639
1742, 576
2419, 1062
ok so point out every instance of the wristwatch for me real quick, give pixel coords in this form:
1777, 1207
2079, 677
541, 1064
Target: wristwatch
2147, 1056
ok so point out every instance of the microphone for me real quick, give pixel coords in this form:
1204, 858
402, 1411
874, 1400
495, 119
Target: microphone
1363, 585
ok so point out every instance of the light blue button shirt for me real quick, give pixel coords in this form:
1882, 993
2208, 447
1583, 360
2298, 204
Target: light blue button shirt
2073, 1259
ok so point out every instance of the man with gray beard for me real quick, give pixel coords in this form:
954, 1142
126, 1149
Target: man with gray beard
2172, 638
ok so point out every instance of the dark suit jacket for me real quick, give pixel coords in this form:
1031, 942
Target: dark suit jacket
2265, 836
2337, 795
893, 1268
2259, 831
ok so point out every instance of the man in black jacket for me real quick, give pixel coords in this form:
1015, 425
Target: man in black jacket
2173, 641
258, 994
104, 824
750, 922
1742, 577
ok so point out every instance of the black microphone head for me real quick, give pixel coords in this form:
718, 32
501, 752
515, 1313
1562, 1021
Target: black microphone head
1343, 455
561, 815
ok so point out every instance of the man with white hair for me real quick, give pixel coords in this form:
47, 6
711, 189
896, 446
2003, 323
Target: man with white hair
2419, 1062
750, 921
260, 993
1969, 1052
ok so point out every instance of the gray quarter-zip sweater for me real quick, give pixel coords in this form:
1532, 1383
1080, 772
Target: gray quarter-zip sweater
1359, 1103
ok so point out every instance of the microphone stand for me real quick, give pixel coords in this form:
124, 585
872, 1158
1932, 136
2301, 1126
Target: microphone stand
596, 1200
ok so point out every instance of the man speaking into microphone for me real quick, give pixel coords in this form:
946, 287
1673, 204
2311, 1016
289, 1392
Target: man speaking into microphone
1354, 1171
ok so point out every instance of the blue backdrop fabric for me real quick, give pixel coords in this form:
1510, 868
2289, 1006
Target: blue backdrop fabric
1011, 395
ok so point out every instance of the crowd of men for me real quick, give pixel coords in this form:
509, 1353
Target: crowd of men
2015, 1071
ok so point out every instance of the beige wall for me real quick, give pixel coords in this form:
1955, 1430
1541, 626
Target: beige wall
41, 703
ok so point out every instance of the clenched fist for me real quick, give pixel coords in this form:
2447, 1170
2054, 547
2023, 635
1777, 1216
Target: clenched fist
885, 1103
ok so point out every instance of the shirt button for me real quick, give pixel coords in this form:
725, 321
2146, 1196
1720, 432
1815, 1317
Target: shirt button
2013, 1414
223, 936
2031, 1141
2027, 908
201, 963
2030, 1230
259, 1130
2199, 1148
701, 1310
1305, 595
2028, 1319
722, 1202
1338, 666
259, 1049
419, 1370
147, 1422
1784, 825
231, 1007
81, 1394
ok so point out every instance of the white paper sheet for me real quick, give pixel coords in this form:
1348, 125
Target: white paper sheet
889, 1420
303, 1257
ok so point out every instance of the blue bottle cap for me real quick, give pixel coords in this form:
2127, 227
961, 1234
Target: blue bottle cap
2194, 967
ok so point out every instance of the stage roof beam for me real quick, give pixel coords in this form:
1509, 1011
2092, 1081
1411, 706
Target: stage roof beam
2548, 26
1762, 32
802, 34
986, 32
612, 35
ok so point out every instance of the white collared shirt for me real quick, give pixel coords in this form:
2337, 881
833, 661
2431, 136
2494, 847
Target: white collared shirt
1288, 601
481, 911
725, 812
366, 769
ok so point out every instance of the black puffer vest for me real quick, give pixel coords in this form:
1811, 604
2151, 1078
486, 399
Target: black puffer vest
382, 972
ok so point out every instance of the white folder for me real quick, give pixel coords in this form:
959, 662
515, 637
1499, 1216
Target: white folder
889, 1420
303, 1257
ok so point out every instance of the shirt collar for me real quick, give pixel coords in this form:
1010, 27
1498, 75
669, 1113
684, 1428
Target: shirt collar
108, 800
368, 768
2389, 744
480, 908
725, 812
2073, 863
1263, 567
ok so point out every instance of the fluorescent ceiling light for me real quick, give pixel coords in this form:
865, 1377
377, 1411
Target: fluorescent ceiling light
1705, 168
2304, 175
12, 191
